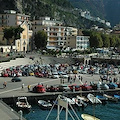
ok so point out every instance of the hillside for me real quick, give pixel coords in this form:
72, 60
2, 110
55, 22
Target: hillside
61, 10
105, 9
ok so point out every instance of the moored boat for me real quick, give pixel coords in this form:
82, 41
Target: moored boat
93, 99
89, 117
111, 98
22, 103
117, 96
44, 104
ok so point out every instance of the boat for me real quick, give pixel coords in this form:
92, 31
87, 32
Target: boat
79, 102
44, 104
117, 96
82, 98
93, 99
22, 103
102, 98
111, 98
89, 117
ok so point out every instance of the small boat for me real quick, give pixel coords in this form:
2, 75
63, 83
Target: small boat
93, 99
89, 117
23, 104
111, 98
117, 96
79, 102
102, 98
44, 104
82, 98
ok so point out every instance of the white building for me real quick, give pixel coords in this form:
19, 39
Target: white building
78, 42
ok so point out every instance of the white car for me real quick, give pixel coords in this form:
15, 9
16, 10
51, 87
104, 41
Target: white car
64, 75
55, 75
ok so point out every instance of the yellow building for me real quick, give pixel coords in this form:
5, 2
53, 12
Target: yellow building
24, 43
11, 18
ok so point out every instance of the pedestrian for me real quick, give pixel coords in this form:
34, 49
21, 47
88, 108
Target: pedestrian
23, 86
81, 78
4, 84
29, 87
68, 78
63, 81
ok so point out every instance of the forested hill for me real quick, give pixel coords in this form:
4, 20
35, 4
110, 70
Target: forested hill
107, 9
61, 10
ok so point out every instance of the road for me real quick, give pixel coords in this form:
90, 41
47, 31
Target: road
15, 88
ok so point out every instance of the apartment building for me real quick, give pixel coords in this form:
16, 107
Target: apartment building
11, 18
56, 32
78, 42
54, 29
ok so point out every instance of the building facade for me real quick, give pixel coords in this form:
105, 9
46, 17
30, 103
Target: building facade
12, 19
54, 29
78, 42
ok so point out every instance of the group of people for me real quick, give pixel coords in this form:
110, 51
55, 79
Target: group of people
73, 79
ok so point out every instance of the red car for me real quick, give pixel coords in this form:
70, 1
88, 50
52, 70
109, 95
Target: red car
5, 75
77, 87
39, 89
37, 74
52, 89
86, 87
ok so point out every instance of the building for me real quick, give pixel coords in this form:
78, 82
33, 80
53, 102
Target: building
54, 29
11, 18
78, 42
24, 43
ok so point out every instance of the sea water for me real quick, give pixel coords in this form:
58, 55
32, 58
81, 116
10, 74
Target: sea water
109, 111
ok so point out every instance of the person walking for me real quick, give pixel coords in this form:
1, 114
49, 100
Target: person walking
4, 84
29, 87
23, 86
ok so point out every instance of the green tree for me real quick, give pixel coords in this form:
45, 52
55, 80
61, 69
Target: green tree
106, 40
40, 39
112, 40
12, 33
95, 40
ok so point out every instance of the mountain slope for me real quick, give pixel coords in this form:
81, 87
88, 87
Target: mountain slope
61, 10
107, 9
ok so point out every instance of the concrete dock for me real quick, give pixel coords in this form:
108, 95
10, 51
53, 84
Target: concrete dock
7, 113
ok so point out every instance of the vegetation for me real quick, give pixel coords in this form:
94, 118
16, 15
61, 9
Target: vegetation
12, 33
98, 39
61, 10
40, 39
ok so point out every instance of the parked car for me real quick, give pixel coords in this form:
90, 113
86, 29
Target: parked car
112, 85
31, 73
52, 89
39, 89
37, 74
77, 87
5, 74
63, 75
16, 79
64, 87
54, 75
86, 87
